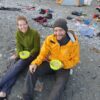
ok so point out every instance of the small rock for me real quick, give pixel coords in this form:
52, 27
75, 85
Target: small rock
19, 97
0, 55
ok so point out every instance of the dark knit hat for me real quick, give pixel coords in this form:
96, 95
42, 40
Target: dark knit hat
61, 23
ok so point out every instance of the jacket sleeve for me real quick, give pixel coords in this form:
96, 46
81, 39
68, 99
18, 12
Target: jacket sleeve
19, 47
75, 56
43, 53
36, 43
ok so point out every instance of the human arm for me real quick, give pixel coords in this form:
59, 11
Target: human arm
74, 57
45, 49
19, 46
36, 43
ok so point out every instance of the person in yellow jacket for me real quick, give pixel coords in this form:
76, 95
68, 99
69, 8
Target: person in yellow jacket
63, 45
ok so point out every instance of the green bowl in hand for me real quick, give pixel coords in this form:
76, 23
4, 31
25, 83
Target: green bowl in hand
24, 54
55, 64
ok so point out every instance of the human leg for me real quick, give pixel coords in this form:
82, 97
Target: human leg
10, 77
61, 79
31, 78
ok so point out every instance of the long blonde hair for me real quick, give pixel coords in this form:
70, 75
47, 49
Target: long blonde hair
21, 18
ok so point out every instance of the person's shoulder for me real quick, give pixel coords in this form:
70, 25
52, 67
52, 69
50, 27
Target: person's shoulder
50, 38
33, 30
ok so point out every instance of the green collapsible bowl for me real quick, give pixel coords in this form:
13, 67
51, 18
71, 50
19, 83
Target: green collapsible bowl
55, 64
24, 54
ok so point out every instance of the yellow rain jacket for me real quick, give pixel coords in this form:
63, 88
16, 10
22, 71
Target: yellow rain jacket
68, 54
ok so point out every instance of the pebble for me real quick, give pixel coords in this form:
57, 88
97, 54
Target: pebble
0, 55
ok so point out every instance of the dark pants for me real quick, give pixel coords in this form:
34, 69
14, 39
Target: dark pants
61, 79
9, 79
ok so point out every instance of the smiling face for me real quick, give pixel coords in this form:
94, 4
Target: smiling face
22, 26
59, 33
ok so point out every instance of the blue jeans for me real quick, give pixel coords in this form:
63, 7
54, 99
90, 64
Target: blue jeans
62, 76
9, 79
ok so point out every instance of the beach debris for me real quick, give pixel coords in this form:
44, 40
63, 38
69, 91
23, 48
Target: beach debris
0, 55
95, 50
10, 9
38, 86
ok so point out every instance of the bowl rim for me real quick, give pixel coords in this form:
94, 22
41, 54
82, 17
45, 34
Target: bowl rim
54, 67
25, 56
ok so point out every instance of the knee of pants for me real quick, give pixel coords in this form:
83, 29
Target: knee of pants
20, 64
